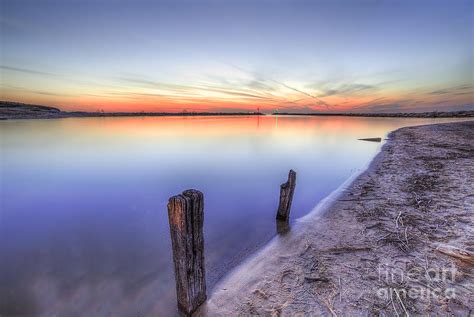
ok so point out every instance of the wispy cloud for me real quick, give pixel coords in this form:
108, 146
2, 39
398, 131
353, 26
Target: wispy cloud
35, 91
199, 90
346, 89
388, 107
457, 90
27, 71
146, 83
319, 102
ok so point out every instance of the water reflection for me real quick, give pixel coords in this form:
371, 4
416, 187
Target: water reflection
83, 223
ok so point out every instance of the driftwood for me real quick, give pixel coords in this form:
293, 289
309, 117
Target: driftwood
457, 253
186, 218
371, 139
286, 196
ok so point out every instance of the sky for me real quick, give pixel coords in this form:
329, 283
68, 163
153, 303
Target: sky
268, 55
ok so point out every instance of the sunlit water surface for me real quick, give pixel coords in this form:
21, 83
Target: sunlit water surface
83, 222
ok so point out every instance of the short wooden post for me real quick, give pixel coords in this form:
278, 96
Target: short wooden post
282, 227
186, 218
286, 196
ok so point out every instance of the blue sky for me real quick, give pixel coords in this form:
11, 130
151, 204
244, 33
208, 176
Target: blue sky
239, 55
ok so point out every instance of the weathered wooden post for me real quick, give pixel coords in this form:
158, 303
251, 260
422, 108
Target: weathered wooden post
286, 196
282, 227
186, 218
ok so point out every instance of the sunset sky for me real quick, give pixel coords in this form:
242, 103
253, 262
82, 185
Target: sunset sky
290, 56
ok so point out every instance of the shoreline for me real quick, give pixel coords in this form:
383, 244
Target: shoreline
69, 115
80, 114
20, 111
380, 219
431, 114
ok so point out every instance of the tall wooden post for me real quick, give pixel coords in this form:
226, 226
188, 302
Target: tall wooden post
286, 196
186, 218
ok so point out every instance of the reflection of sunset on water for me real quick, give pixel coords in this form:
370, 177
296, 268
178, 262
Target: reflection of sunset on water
227, 126
91, 194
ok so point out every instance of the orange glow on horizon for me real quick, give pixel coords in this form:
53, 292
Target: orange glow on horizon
130, 101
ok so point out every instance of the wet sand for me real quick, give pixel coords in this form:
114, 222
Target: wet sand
397, 240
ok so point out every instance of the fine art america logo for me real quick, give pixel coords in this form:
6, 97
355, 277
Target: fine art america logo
428, 282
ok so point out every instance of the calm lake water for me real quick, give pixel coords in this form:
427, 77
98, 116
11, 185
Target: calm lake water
83, 221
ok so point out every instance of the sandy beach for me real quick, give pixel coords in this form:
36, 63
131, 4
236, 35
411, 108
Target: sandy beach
397, 240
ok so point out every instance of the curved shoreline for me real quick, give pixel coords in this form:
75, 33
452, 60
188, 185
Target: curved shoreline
238, 276
303, 271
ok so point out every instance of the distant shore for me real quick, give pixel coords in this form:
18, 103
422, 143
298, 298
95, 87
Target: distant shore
15, 110
397, 241
432, 114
